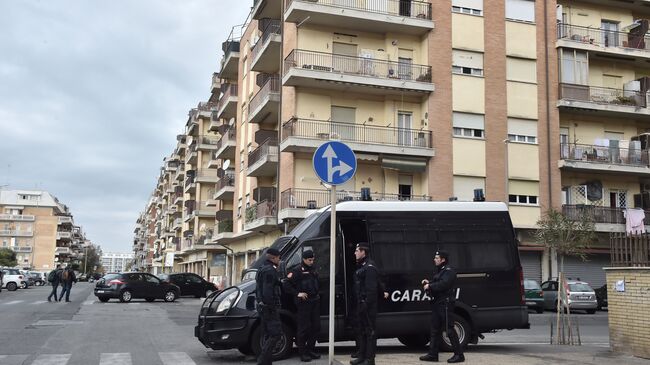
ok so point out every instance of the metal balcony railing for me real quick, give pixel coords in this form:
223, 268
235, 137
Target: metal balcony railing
604, 155
268, 148
409, 9
21, 217
227, 180
229, 135
602, 95
229, 90
602, 37
210, 140
15, 233
359, 133
232, 42
598, 214
206, 106
225, 226
272, 85
273, 27
357, 66
315, 199
263, 209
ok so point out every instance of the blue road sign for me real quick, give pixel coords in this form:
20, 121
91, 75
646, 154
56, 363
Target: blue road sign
334, 163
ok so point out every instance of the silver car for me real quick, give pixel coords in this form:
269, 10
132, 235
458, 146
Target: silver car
580, 296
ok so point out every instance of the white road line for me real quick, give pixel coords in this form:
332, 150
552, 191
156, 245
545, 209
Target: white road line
175, 358
13, 302
123, 358
52, 359
13, 359
88, 302
39, 302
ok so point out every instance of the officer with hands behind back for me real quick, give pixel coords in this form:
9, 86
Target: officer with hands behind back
442, 293
268, 304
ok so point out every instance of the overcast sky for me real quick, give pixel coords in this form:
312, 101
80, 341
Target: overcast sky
93, 94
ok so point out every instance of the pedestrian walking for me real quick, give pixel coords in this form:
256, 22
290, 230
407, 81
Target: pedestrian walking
302, 284
54, 278
442, 293
268, 304
67, 278
367, 288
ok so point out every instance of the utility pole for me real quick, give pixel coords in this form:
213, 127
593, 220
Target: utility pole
85, 258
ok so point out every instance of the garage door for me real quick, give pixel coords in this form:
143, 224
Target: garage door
531, 262
590, 271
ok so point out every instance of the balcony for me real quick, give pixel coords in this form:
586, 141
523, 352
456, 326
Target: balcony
225, 188
266, 52
230, 48
208, 143
203, 210
604, 159
296, 203
15, 233
384, 16
63, 235
206, 176
261, 217
190, 185
356, 74
216, 83
263, 161
267, 9
205, 108
18, 218
227, 144
224, 232
21, 249
178, 224
192, 126
264, 106
632, 44
606, 101
191, 156
227, 107
305, 135
62, 251
607, 219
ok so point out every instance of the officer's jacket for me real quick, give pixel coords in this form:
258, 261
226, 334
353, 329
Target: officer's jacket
268, 284
367, 282
441, 287
303, 279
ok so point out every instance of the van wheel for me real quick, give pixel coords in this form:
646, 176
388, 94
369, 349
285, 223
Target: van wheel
464, 331
282, 348
12, 286
414, 341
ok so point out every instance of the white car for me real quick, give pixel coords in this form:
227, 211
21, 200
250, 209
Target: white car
13, 279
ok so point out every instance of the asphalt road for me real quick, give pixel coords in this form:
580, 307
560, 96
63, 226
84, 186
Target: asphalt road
88, 332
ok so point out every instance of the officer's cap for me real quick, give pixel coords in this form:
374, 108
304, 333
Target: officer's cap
443, 254
308, 254
273, 252
363, 246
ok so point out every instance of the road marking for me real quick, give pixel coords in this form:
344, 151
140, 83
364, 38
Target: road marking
13, 359
13, 302
123, 358
52, 359
39, 302
175, 358
88, 302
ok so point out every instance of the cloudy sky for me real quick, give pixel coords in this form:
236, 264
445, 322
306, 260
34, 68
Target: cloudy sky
93, 93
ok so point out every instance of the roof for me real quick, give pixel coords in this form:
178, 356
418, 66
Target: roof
419, 206
45, 199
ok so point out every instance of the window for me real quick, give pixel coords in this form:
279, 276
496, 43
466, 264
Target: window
469, 125
523, 192
522, 199
464, 187
522, 70
521, 10
574, 67
472, 7
522, 130
467, 63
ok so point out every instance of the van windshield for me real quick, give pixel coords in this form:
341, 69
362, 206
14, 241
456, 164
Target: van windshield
302, 226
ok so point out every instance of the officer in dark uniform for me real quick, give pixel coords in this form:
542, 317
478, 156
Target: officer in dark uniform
268, 304
367, 287
442, 293
302, 284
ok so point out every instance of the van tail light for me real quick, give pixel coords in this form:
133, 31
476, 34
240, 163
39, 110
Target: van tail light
522, 291
115, 282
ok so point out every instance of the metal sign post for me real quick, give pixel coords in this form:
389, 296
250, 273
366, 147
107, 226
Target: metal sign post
324, 163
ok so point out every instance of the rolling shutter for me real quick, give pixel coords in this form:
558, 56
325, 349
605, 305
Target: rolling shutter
590, 271
531, 262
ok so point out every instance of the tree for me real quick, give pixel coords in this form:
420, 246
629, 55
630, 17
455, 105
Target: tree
566, 236
7, 257
91, 261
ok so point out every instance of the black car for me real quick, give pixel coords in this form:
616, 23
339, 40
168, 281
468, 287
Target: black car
133, 285
601, 296
190, 284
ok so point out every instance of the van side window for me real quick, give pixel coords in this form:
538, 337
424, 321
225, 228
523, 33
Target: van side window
394, 257
321, 247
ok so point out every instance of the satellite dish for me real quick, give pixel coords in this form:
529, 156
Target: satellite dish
226, 164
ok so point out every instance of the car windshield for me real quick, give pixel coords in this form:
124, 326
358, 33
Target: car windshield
531, 285
109, 277
580, 287
163, 277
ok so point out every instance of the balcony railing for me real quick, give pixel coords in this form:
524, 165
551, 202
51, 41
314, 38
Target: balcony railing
225, 226
15, 233
604, 155
272, 85
357, 66
629, 250
229, 135
268, 148
359, 133
272, 28
410, 9
18, 217
601, 37
315, 199
598, 214
227, 180
230, 90
263, 209
602, 95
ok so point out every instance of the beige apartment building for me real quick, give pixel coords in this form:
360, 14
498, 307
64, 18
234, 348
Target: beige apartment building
538, 104
39, 229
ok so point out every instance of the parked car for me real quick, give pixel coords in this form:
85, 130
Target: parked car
190, 284
534, 295
37, 278
82, 277
580, 296
133, 285
13, 279
601, 297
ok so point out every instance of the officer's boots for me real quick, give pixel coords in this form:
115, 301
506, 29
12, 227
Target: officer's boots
456, 358
304, 356
313, 354
358, 361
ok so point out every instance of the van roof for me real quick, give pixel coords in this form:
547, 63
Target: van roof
419, 206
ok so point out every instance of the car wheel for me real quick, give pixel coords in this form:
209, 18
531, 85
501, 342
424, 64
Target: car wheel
415, 341
23, 285
170, 296
149, 299
126, 296
12, 286
464, 331
591, 311
282, 348
103, 299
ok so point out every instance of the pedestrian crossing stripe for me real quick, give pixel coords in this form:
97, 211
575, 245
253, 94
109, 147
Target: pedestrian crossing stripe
13, 302
118, 358
123, 358
52, 359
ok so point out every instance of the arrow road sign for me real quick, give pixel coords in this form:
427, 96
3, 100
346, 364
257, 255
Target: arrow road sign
334, 163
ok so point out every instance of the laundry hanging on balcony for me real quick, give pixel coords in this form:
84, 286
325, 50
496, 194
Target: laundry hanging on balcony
634, 224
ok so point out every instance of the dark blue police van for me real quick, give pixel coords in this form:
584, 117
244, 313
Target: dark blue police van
403, 237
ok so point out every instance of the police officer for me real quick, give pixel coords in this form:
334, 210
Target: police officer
268, 304
367, 287
442, 293
302, 284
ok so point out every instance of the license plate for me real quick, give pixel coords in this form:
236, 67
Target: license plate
100, 291
583, 297
530, 303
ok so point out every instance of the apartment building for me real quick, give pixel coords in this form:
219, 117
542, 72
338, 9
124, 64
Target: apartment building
39, 228
116, 261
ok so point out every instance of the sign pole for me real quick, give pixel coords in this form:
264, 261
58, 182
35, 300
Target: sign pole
330, 347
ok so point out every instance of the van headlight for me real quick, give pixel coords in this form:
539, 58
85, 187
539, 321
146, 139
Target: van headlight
228, 301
